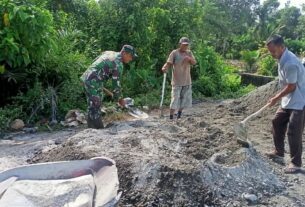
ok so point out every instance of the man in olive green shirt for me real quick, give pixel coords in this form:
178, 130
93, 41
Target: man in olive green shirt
181, 60
106, 66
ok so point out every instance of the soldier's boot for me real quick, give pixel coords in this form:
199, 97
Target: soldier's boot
95, 123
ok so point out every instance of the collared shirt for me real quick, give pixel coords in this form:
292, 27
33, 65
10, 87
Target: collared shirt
108, 65
291, 71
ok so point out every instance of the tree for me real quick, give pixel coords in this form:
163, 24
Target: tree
288, 19
266, 19
26, 34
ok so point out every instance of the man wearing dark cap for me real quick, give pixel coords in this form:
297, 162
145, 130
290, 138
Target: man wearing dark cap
289, 117
108, 65
181, 60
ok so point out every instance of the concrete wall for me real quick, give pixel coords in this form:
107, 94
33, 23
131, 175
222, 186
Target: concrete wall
257, 80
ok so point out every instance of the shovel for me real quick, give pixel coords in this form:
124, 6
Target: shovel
133, 111
240, 129
162, 95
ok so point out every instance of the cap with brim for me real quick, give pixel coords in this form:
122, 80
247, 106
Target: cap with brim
184, 41
131, 50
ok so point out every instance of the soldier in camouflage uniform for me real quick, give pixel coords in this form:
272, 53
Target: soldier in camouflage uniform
108, 65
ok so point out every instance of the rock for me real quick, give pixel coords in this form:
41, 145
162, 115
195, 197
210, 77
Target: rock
251, 190
30, 129
53, 122
58, 141
251, 198
74, 118
51, 142
203, 124
17, 124
73, 124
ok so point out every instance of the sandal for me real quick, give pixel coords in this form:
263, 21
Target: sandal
292, 169
275, 157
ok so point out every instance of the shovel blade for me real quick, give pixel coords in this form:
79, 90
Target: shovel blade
241, 134
137, 113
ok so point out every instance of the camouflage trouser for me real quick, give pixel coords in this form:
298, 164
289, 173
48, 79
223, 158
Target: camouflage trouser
94, 95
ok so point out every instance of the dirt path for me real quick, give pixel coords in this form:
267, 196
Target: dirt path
170, 163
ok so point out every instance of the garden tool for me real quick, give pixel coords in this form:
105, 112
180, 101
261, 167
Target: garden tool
240, 129
129, 105
133, 111
162, 95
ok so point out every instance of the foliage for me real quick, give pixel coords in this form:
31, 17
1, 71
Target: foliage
240, 43
297, 46
266, 19
36, 102
46, 45
250, 57
266, 63
25, 33
8, 114
214, 76
288, 20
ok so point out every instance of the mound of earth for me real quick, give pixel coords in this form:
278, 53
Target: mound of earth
256, 99
194, 161
165, 163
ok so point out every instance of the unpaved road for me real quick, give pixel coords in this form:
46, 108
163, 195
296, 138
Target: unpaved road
168, 163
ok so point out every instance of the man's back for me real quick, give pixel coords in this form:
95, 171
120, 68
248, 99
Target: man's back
291, 70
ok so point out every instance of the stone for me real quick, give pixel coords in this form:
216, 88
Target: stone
17, 124
251, 198
30, 129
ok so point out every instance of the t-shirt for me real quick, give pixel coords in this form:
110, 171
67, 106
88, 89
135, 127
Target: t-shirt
181, 73
291, 71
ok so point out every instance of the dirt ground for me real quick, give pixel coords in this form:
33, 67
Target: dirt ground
194, 161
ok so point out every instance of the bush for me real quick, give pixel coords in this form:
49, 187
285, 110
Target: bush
137, 81
214, 78
71, 96
26, 34
267, 66
205, 86
266, 63
8, 114
36, 102
250, 58
295, 46
239, 43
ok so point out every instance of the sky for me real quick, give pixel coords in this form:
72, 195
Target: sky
296, 3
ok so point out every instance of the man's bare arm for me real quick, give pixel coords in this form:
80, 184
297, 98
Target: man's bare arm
288, 89
166, 66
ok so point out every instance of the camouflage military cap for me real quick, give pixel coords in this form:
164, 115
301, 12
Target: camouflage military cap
130, 49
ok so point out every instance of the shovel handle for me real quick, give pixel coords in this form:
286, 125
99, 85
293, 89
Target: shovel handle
163, 89
109, 93
255, 114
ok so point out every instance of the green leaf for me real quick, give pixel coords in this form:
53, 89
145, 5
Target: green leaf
2, 69
23, 16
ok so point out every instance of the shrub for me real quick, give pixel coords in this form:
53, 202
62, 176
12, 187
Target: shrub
26, 34
266, 63
36, 102
8, 114
250, 57
205, 86
267, 66
295, 46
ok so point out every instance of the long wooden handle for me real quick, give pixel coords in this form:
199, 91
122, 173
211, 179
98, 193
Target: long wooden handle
163, 89
109, 93
255, 114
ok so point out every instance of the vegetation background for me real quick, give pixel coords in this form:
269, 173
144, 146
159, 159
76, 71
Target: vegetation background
45, 46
